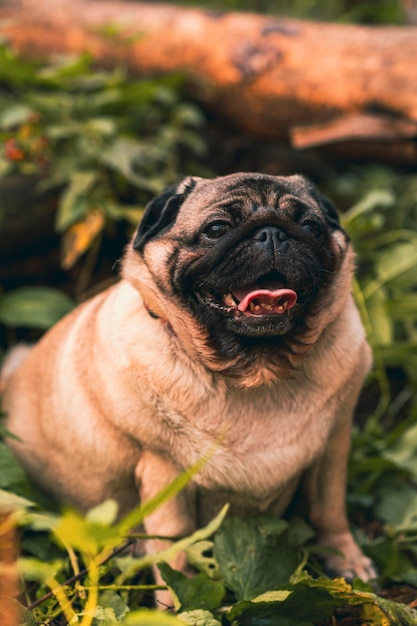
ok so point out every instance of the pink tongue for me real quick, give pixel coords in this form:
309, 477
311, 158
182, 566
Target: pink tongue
266, 296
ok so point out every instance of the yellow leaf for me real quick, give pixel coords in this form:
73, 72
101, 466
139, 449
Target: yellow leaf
79, 238
373, 614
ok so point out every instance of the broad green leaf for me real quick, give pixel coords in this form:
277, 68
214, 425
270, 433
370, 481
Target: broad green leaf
40, 546
397, 505
105, 513
34, 307
15, 116
375, 610
198, 618
391, 562
313, 600
372, 200
396, 267
11, 473
73, 203
41, 521
34, 569
10, 501
124, 156
105, 126
198, 592
104, 616
403, 453
248, 613
114, 601
111, 609
387, 613
254, 555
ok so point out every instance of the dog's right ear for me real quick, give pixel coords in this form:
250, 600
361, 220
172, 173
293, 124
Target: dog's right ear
161, 212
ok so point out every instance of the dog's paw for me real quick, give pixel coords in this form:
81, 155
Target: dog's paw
351, 562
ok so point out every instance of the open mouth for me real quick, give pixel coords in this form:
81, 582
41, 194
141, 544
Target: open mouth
263, 297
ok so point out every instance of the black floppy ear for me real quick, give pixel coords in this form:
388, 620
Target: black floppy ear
330, 212
160, 213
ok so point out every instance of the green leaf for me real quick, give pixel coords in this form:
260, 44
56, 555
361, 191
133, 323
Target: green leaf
146, 617
34, 307
105, 616
254, 555
10, 501
371, 201
391, 562
124, 156
73, 203
15, 116
111, 609
11, 473
104, 126
200, 556
396, 266
198, 592
247, 613
132, 214
113, 600
86, 536
313, 600
381, 322
34, 569
183, 544
105, 513
403, 453
198, 618
397, 613
397, 505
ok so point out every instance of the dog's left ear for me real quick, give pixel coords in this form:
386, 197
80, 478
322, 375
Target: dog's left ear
330, 212
161, 212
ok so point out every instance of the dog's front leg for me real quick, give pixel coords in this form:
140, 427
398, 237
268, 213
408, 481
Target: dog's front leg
174, 518
325, 484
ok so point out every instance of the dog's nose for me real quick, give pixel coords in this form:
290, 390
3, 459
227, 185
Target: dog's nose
271, 236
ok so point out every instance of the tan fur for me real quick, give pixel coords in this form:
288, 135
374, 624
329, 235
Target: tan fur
114, 404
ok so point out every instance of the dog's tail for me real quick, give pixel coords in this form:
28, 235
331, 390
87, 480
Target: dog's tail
12, 361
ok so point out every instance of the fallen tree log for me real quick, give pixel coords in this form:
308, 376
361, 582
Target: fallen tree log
309, 83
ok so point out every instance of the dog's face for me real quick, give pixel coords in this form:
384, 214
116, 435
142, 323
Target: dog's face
248, 263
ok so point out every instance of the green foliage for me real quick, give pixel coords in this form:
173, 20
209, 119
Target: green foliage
359, 11
34, 307
106, 144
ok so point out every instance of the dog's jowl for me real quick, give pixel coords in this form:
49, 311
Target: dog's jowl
233, 328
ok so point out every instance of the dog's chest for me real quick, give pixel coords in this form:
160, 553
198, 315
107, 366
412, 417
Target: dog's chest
259, 441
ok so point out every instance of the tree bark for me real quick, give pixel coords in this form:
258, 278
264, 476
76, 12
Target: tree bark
309, 83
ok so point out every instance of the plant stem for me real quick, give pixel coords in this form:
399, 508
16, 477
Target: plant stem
83, 572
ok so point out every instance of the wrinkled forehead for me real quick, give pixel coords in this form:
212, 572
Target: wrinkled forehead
245, 195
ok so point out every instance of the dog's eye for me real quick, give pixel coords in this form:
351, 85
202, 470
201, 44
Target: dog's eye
313, 227
215, 230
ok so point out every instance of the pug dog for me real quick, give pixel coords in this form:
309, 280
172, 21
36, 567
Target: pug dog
233, 328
